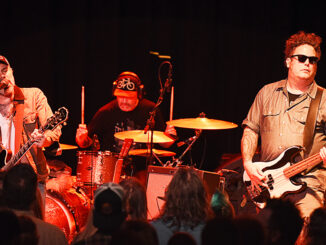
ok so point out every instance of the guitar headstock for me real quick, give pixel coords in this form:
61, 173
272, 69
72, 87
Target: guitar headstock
59, 117
125, 148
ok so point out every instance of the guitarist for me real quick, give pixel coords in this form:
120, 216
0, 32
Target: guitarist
22, 111
278, 116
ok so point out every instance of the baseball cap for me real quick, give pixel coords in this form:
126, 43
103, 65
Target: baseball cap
127, 84
4, 60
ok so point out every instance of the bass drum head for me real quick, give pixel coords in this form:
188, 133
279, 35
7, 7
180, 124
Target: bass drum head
68, 210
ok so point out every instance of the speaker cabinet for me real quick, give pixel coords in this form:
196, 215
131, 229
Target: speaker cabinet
159, 178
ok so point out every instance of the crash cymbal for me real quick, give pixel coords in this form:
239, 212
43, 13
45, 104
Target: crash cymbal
139, 136
202, 123
147, 152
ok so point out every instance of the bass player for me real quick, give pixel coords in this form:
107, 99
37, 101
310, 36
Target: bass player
278, 116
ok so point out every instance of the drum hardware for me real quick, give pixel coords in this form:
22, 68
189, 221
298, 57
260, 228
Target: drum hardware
178, 161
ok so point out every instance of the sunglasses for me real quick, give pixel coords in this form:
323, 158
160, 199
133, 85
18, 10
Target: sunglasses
302, 58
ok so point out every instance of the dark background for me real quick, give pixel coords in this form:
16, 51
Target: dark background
222, 53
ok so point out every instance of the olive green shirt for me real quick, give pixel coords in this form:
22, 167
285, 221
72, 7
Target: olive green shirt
280, 123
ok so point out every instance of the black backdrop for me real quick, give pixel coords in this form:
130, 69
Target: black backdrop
222, 53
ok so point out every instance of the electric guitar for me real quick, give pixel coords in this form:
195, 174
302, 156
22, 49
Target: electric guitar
279, 173
123, 153
59, 117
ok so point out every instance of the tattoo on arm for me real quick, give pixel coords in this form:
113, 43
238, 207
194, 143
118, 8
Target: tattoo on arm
249, 144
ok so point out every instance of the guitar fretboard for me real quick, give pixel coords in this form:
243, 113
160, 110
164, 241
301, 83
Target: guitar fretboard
299, 167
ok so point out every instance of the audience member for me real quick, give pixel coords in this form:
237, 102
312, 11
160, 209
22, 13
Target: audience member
250, 230
221, 205
135, 232
182, 238
19, 194
220, 230
186, 206
108, 213
282, 221
315, 230
9, 227
28, 235
135, 198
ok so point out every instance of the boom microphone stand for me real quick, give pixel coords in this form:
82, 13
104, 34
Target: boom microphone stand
150, 124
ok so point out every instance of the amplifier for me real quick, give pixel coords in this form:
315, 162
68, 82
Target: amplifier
158, 178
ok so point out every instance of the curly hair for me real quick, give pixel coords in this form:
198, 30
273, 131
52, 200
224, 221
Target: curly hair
301, 38
186, 199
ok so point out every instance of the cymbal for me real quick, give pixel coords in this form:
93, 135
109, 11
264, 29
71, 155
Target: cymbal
67, 147
139, 136
202, 123
147, 152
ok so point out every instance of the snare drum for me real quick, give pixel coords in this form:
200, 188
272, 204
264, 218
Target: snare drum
95, 167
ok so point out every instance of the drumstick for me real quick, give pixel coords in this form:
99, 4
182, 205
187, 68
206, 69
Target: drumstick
171, 103
82, 104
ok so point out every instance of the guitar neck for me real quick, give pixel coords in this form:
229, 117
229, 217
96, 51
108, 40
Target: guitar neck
22, 151
299, 167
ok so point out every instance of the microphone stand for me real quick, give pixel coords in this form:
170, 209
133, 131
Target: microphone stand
150, 124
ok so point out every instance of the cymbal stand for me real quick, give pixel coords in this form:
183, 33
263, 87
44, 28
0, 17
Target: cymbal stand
177, 162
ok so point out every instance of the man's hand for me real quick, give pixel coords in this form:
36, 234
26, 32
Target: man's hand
170, 130
322, 153
82, 138
38, 137
255, 174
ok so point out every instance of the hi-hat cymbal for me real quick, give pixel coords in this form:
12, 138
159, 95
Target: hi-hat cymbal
202, 123
139, 136
147, 152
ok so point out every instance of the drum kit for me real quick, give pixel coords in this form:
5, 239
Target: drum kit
95, 168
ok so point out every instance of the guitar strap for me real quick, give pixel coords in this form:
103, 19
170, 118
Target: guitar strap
309, 129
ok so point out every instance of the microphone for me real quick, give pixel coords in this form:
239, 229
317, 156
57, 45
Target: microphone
168, 81
187, 141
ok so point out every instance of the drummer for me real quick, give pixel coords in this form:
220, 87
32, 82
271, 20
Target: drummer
129, 111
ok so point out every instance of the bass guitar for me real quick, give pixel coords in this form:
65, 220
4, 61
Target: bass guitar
7, 162
279, 173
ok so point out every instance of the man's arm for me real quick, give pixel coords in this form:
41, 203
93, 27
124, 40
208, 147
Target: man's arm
249, 145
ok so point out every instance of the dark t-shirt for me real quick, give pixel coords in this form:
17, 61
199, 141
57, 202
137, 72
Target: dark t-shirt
110, 119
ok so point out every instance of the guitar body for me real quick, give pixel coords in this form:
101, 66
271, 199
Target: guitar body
5, 155
278, 183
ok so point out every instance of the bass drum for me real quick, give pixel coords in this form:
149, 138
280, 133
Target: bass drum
68, 210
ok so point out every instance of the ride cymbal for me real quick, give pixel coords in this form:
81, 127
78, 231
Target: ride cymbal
202, 123
147, 152
139, 137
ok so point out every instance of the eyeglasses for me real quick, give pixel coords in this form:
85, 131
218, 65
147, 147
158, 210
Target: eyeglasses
302, 58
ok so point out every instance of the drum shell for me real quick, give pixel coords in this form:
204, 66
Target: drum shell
95, 167
68, 210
